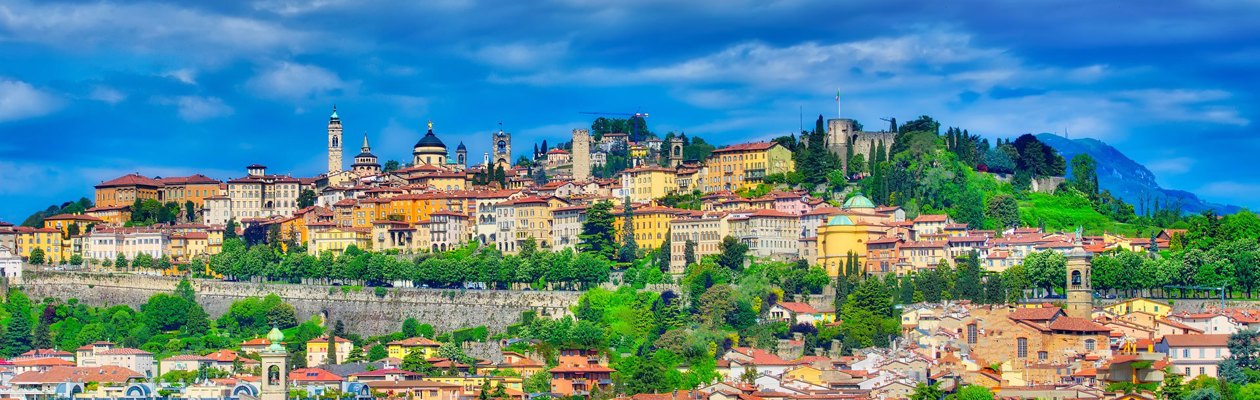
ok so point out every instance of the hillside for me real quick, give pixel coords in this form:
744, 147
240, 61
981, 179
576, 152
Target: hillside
1126, 178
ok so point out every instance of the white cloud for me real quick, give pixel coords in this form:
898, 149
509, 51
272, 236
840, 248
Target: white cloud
196, 108
522, 55
145, 28
20, 100
185, 75
107, 94
295, 81
1174, 165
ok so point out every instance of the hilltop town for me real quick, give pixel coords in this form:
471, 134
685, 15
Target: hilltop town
838, 263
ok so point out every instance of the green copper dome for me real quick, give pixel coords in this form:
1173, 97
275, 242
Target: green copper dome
276, 337
840, 220
858, 201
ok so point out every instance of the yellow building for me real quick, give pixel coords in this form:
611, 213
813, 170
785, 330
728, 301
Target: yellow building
745, 165
848, 232
532, 218
805, 373
48, 240
644, 184
317, 350
63, 223
651, 224
113, 216
124, 190
401, 348
194, 188
473, 383
327, 237
1152, 307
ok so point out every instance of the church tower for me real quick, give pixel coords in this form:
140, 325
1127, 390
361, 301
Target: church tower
274, 384
461, 156
366, 163
502, 148
334, 143
1080, 293
675, 152
581, 155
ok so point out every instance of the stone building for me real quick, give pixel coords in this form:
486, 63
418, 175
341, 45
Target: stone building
581, 154
843, 132
334, 143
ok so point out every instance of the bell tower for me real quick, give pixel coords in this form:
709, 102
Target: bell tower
334, 143
274, 384
502, 148
1080, 293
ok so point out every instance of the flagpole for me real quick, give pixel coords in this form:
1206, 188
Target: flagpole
838, 115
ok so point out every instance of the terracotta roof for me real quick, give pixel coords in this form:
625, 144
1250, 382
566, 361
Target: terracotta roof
798, 307
43, 362
124, 352
46, 353
189, 180
73, 217
1196, 340
1073, 324
256, 342
313, 375
384, 372
130, 180
101, 374
761, 357
754, 146
1035, 314
582, 368
187, 357
931, 218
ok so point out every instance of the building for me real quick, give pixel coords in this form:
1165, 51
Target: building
581, 155
579, 373
102, 354
260, 195
317, 350
365, 163
1152, 307
1195, 354
10, 265
567, 226
184, 189
703, 231
647, 183
502, 150
325, 236
848, 232
1080, 292
768, 233
126, 189
70, 382
843, 133
429, 150
745, 165
108, 243
184, 362
651, 224
334, 143
400, 349
48, 240
72, 224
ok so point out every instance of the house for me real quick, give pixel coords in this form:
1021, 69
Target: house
1157, 308
46, 353
800, 313
519, 363
416, 389
255, 345
39, 364
68, 382
1195, 354
230, 361
315, 381
388, 374
184, 362
317, 350
579, 372
401, 348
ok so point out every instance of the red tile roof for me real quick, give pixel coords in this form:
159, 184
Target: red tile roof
100, 374
798, 307
1035, 314
415, 341
754, 146
130, 180
313, 375
931, 218
1196, 340
1073, 324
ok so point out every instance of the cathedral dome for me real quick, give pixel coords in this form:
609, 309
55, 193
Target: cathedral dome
430, 140
858, 201
840, 220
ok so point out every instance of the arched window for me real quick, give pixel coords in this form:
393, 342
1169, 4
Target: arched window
1021, 347
1076, 277
273, 375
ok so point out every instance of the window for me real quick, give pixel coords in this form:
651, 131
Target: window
1042, 356
1185, 353
1021, 348
1089, 344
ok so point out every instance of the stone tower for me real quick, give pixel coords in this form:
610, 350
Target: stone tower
274, 384
502, 148
1080, 293
581, 155
334, 142
675, 152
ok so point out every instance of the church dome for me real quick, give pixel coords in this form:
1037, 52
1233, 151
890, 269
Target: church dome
858, 201
840, 220
430, 140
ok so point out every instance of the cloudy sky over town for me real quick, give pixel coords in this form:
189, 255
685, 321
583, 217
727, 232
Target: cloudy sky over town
93, 90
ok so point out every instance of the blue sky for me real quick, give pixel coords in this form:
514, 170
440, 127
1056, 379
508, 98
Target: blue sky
92, 90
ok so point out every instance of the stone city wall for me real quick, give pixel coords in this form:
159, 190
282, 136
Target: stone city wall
362, 311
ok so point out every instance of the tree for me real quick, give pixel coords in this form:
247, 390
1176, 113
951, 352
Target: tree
731, 253
1047, 269
377, 352
749, 376
42, 339
629, 248
689, 252
538, 382
36, 256
968, 283
197, 322
414, 361
391, 166
229, 230
715, 303
306, 198
927, 392
597, 231
1004, 210
1085, 175
972, 392
17, 335
410, 327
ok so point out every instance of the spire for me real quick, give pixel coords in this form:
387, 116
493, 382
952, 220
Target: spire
334, 114
366, 147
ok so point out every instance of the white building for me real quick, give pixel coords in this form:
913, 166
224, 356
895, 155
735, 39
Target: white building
217, 210
10, 265
107, 243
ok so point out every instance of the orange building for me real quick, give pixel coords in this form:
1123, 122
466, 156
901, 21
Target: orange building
579, 372
124, 190
194, 188
64, 222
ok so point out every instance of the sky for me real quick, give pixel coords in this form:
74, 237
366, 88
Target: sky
96, 89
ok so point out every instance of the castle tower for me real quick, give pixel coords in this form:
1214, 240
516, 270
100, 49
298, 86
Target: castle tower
675, 152
334, 142
502, 148
274, 384
581, 155
1080, 293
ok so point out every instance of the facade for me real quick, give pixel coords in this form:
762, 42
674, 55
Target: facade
126, 189
704, 231
259, 195
317, 350
581, 155
1195, 354
768, 233
651, 224
502, 150
365, 163
108, 243
647, 183
567, 226
400, 349
47, 240
745, 165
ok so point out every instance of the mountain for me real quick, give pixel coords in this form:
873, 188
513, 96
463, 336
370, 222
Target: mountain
1126, 178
